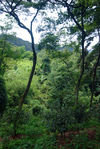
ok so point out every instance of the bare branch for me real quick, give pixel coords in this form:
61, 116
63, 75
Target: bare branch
12, 2
8, 3
3, 10
19, 22
4, 7
16, 5
72, 15
34, 18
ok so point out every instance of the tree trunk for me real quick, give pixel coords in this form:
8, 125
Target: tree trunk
83, 55
94, 77
27, 87
94, 72
81, 28
82, 69
31, 74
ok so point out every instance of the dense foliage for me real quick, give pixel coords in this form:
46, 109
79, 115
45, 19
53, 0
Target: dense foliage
61, 106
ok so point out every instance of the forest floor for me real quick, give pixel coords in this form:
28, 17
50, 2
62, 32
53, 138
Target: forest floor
77, 138
73, 139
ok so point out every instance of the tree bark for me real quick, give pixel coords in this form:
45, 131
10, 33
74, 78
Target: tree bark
27, 87
31, 74
94, 78
83, 56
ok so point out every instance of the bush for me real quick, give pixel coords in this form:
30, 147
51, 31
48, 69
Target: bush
37, 109
81, 141
46, 142
24, 143
59, 120
95, 110
12, 119
80, 112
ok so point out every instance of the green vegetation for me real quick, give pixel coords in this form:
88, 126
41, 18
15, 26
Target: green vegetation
49, 108
51, 99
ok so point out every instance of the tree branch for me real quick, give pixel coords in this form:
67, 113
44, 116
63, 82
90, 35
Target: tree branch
34, 18
72, 15
12, 13
16, 5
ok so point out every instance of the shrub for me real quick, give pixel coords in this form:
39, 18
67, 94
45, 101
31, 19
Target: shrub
46, 142
80, 112
95, 110
59, 120
37, 109
13, 120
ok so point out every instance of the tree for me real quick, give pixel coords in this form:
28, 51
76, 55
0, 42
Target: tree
61, 93
50, 42
75, 11
12, 8
4, 45
92, 25
97, 27
4, 48
83, 15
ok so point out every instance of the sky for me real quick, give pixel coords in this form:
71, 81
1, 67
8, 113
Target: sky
21, 33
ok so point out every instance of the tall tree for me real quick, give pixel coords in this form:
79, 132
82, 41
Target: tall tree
15, 8
75, 11
96, 22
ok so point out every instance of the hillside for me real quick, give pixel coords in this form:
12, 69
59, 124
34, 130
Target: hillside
20, 42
